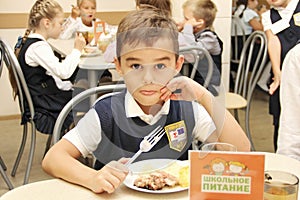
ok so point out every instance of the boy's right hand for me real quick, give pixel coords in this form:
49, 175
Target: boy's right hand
110, 177
79, 42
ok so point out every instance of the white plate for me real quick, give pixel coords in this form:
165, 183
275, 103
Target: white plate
148, 166
96, 52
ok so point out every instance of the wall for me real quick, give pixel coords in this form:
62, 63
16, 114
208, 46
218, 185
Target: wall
20, 8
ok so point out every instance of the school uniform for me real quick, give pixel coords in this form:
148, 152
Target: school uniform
285, 23
48, 92
116, 125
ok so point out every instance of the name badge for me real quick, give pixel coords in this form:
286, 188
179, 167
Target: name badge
297, 19
177, 135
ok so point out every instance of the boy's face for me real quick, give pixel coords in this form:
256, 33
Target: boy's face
87, 10
146, 70
278, 3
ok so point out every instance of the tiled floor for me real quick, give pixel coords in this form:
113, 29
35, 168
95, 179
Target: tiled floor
11, 132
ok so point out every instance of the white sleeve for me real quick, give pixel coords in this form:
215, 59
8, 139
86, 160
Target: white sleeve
289, 129
41, 53
87, 133
249, 15
204, 125
69, 28
266, 20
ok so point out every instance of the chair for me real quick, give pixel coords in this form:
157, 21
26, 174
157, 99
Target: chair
2, 164
246, 80
23, 95
201, 61
57, 131
237, 39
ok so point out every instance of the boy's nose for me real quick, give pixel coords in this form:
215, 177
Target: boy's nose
148, 75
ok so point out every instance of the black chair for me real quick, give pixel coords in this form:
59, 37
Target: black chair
23, 96
247, 76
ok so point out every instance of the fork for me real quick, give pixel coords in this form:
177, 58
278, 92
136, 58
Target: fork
148, 143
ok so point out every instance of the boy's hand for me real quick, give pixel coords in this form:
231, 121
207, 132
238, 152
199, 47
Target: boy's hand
110, 177
75, 12
79, 42
194, 22
182, 88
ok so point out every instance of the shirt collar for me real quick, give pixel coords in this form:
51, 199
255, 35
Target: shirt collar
36, 35
290, 7
132, 109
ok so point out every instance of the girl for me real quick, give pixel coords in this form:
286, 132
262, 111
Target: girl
46, 77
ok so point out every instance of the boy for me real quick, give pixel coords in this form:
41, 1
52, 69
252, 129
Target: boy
282, 27
197, 29
147, 58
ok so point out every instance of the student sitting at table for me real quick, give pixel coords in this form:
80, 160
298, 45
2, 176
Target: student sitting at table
48, 80
148, 60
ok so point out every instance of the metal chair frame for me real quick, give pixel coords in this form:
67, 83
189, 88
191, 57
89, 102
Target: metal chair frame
57, 131
198, 53
236, 25
246, 81
24, 94
3, 167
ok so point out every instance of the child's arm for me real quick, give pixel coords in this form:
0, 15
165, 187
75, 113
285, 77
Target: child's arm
274, 48
228, 129
71, 24
61, 162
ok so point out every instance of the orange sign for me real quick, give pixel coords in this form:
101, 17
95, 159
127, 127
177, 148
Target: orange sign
220, 175
99, 28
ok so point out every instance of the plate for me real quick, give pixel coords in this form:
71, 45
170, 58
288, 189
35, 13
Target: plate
94, 52
148, 166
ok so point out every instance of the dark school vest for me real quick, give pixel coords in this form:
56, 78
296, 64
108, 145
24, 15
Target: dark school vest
121, 136
288, 37
37, 80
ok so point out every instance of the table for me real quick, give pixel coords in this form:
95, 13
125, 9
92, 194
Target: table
56, 189
92, 64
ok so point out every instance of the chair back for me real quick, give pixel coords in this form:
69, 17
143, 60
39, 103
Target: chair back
1, 60
13, 65
238, 38
252, 61
194, 55
57, 131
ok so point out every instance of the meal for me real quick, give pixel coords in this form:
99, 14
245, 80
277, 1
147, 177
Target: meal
172, 176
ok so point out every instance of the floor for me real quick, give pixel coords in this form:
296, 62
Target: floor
261, 127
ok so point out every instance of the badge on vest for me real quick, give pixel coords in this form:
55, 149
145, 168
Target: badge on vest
297, 19
177, 135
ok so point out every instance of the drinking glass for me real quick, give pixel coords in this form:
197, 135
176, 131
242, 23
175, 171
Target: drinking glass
218, 146
280, 185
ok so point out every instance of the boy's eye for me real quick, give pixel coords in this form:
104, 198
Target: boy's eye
136, 66
160, 66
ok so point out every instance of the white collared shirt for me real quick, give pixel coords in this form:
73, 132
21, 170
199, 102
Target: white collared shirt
87, 134
285, 14
289, 129
41, 54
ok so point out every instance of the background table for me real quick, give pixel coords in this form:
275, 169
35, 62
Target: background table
56, 189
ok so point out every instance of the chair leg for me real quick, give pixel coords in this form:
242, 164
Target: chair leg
21, 150
4, 175
2, 164
31, 152
247, 117
48, 144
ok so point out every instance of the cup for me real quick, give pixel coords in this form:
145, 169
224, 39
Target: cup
280, 185
218, 146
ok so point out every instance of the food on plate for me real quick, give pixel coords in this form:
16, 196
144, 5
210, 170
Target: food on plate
90, 49
156, 180
174, 175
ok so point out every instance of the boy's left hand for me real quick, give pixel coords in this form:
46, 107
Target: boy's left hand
188, 89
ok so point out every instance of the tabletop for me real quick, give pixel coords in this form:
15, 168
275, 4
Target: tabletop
56, 189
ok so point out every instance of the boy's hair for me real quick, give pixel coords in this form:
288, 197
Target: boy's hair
145, 27
164, 5
202, 9
79, 2
40, 9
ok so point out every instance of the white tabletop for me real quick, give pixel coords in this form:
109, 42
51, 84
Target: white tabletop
56, 189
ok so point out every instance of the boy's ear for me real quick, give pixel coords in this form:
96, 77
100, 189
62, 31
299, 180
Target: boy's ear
118, 66
179, 63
